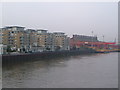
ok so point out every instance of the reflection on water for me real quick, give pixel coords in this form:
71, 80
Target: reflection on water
81, 71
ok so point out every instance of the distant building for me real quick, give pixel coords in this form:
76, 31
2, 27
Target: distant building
78, 41
85, 38
14, 36
18, 39
30, 40
42, 39
61, 41
50, 42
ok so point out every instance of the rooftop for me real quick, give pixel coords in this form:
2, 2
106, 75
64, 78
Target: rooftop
42, 30
14, 27
59, 33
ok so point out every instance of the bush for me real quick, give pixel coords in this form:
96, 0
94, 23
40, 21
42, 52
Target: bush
9, 49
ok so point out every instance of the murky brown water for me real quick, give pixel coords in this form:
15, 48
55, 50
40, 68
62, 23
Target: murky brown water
82, 71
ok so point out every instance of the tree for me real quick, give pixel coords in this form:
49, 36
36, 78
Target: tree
9, 49
47, 48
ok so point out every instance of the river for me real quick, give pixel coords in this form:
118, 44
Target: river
80, 71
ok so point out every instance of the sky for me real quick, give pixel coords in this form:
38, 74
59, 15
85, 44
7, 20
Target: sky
69, 17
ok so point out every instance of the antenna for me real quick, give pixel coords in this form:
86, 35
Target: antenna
103, 37
92, 38
115, 40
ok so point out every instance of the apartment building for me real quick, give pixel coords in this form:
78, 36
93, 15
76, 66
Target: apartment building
42, 39
3, 48
61, 41
21, 40
0, 35
31, 40
45, 40
14, 37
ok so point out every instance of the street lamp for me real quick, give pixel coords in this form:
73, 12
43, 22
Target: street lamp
103, 38
103, 41
115, 40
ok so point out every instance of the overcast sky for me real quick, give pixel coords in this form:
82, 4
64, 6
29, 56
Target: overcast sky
71, 18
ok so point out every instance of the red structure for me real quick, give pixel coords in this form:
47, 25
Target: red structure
78, 41
98, 44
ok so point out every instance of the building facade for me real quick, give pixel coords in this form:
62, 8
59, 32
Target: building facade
85, 38
61, 41
17, 39
45, 40
78, 41
31, 40
41, 39
14, 37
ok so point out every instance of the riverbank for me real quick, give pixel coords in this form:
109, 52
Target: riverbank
22, 57
15, 58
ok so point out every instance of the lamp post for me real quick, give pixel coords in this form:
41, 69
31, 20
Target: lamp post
115, 40
103, 38
103, 41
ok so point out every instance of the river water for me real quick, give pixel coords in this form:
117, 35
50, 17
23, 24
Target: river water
80, 71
